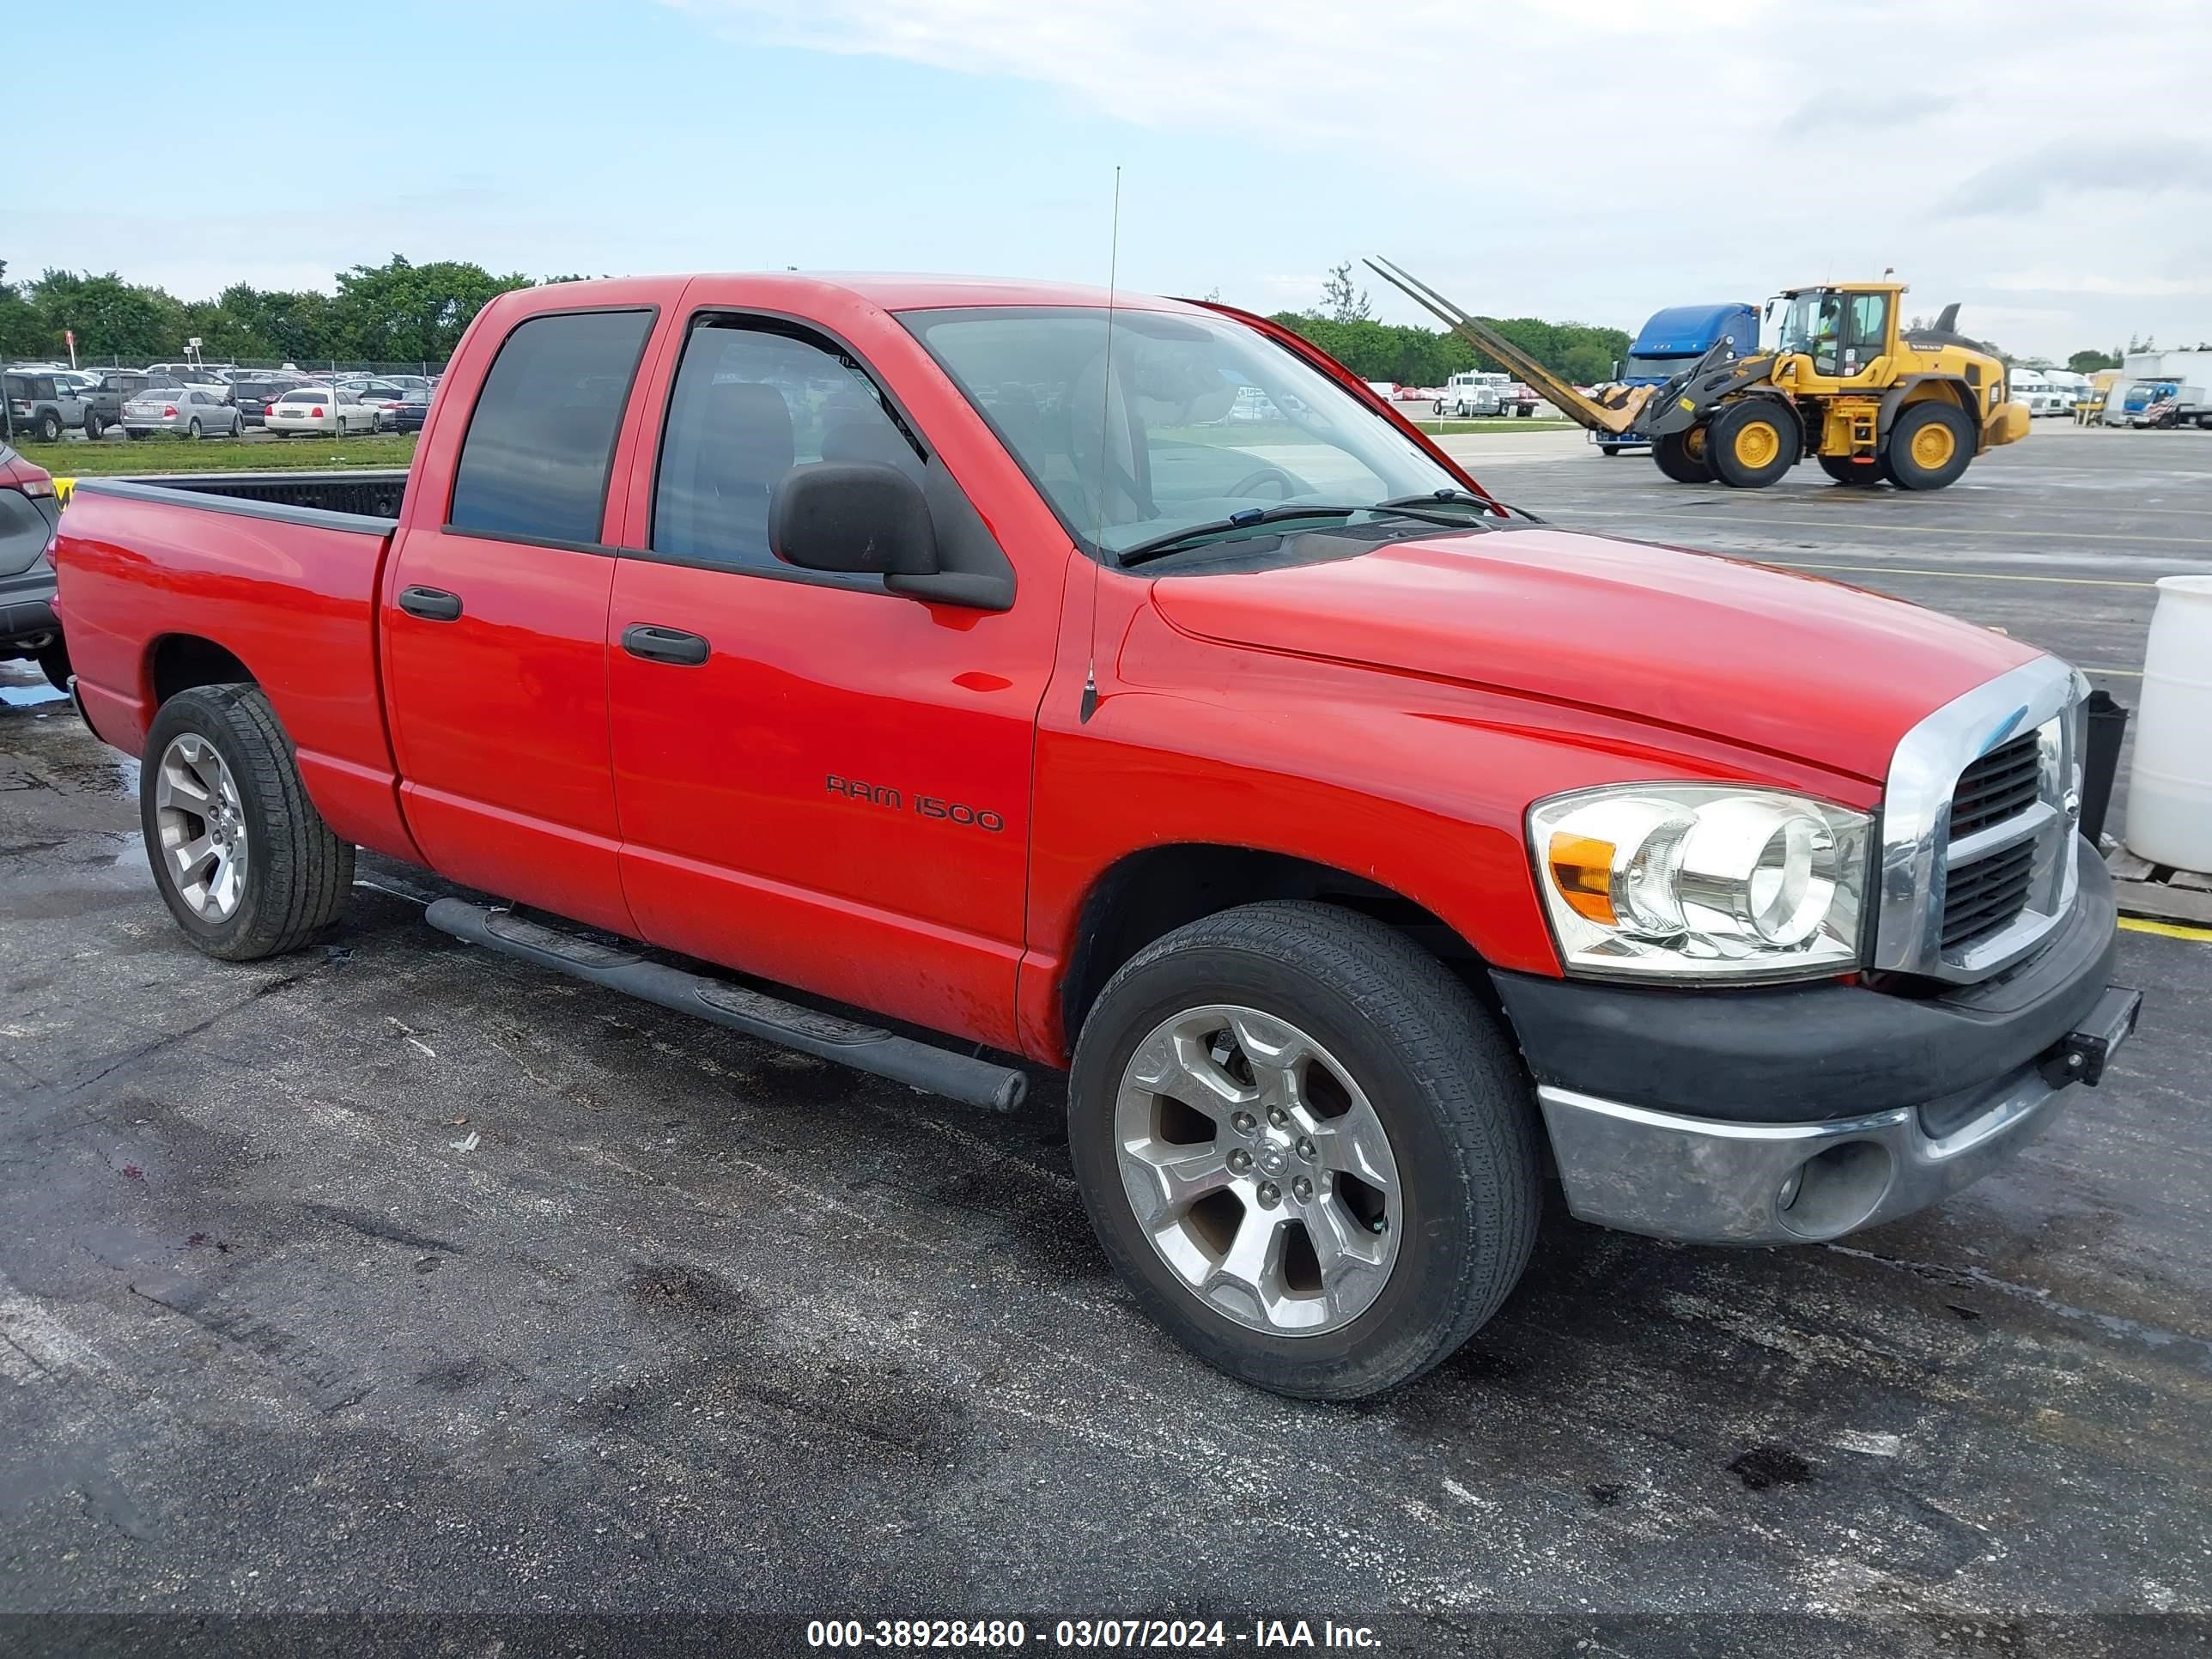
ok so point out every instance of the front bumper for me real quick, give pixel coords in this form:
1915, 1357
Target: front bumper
1787, 1113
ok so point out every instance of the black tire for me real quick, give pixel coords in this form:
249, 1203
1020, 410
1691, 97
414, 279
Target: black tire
298, 874
1685, 457
1754, 441
49, 428
192, 429
54, 663
1608, 449
1458, 1108
93, 427
1863, 475
1907, 467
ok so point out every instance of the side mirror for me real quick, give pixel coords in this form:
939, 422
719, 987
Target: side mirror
858, 517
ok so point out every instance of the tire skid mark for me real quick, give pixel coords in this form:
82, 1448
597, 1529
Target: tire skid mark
330, 1384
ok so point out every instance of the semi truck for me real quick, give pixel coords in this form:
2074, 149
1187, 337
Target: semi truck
879, 667
1673, 342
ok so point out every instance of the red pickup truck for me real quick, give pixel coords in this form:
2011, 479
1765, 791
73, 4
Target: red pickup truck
945, 651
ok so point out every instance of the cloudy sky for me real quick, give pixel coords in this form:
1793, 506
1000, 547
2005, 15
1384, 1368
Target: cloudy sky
2048, 164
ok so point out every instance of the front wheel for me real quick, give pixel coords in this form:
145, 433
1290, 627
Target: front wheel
1310, 1154
192, 430
49, 428
1685, 457
244, 860
1754, 441
93, 427
1608, 449
54, 663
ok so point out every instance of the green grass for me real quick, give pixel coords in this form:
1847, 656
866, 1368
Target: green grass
1508, 423
110, 460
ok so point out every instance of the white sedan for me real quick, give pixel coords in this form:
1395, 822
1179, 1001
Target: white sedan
320, 410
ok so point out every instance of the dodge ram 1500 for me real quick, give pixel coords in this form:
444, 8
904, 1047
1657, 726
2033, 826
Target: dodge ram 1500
965, 655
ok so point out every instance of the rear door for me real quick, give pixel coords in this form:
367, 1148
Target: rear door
495, 623
821, 782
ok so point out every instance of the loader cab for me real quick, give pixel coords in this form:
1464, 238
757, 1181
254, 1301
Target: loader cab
1846, 329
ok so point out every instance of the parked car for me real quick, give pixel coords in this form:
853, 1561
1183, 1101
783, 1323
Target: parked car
209, 377
315, 410
41, 408
253, 394
103, 404
28, 513
193, 411
382, 397
410, 414
1427, 850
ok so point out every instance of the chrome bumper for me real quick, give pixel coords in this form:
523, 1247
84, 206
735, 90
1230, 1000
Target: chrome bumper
1712, 1182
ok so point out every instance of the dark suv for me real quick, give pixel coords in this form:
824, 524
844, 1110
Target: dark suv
253, 394
28, 513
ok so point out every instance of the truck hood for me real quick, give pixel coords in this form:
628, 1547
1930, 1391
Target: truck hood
1794, 665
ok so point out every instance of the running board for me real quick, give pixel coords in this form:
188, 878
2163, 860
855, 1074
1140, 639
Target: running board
864, 1047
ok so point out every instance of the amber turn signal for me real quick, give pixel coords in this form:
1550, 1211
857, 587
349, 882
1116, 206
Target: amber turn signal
1582, 869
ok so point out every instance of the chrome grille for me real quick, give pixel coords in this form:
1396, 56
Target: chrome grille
1980, 898
2000, 784
1979, 827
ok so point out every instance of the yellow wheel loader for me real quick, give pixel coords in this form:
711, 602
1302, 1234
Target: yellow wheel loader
1846, 385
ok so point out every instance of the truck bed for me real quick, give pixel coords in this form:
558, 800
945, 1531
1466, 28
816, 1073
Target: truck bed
273, 577
313, 497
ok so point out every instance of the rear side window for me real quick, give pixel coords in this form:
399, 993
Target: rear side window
541, 437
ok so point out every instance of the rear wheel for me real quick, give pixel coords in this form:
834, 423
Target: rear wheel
1608, 449
244, 861
1929, 445
54, 663
1683, 456
1863, 471
1754, 441
1309, 1151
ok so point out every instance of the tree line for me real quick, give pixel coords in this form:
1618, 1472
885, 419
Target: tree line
398, 312
1343, 325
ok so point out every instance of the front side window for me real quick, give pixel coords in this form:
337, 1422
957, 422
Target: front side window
1197, 419
541, 437
752, 402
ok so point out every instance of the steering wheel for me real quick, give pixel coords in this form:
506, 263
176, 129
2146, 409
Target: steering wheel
1287, 485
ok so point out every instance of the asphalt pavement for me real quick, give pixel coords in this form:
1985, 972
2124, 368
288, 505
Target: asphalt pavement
396, 1277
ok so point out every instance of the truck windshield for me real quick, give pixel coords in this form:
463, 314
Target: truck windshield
1205, 419
1655, 367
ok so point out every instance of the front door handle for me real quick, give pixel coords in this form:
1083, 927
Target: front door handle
657, 644
430, 604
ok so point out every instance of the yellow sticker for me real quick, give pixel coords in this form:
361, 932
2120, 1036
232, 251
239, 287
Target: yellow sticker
63, 486
1687, 404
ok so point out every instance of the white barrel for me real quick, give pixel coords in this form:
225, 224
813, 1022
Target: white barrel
2170, 785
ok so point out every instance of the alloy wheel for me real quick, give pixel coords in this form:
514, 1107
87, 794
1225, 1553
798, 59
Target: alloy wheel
1259, 1171
201, 823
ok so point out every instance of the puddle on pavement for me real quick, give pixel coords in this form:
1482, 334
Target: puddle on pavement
30, 697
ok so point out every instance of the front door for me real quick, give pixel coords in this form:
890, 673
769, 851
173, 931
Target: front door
494, 627
819, 780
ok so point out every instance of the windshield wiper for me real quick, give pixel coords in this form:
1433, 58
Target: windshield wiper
1176, 540
1461, 498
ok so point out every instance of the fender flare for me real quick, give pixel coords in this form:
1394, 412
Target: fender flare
1894, 399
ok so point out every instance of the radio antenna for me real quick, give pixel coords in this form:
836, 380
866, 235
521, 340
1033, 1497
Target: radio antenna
1105, 449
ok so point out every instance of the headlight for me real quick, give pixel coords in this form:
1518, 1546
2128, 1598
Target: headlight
1699, 881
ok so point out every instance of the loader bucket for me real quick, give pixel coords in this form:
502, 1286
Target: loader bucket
1612, 411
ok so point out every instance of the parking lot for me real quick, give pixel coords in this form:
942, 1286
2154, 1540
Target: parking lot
397, 1276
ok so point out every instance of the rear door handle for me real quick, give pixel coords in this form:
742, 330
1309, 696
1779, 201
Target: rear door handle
430, 604
657, 644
